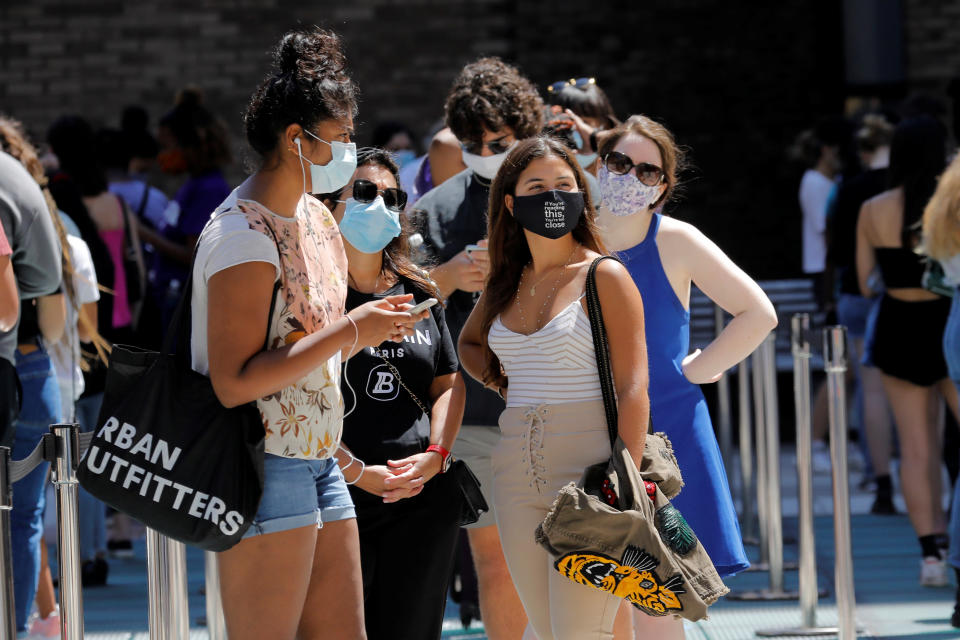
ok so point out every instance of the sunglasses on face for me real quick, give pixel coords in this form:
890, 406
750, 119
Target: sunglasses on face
366, 191
496, 147
621, 164
579, 83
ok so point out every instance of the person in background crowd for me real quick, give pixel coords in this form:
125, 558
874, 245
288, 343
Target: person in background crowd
111, 232
941, 242
530, 330
193, 141
489, 108
28, 223
128, 155
398, 139
9, 294
409, 404
909, 329
297, 571
588, 107
873, 141
821, 150
639, 163
444, 157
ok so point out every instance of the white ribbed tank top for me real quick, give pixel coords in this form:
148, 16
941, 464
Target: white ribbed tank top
553, 365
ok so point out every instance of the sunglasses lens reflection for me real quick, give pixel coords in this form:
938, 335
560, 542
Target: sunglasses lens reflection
618, 163
364, 191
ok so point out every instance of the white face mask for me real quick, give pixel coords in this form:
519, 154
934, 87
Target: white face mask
486, 166
333, 176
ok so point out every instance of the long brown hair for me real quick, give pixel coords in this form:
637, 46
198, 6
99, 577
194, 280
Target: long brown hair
14, 141
509, 252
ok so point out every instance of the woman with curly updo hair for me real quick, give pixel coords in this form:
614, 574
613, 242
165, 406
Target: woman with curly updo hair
271, 263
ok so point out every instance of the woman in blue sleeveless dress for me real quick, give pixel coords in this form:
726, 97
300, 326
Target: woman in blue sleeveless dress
637, 173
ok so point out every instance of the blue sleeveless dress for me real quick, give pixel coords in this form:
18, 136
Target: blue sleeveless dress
679, 409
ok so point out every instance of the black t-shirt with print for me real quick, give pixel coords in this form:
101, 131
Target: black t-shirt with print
387, 424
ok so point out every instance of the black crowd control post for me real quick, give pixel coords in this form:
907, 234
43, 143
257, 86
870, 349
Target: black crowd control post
68, 527
8, 626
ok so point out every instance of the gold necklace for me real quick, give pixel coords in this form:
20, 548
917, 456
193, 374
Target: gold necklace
549, 296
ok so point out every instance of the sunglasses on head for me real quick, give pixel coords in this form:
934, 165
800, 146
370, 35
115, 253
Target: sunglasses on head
496, 147
621, 164
579, 83
366, 191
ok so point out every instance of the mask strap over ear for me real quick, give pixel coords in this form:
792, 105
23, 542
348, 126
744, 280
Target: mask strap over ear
303, 171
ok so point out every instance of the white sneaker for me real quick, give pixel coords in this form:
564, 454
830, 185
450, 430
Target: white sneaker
933, 572
821, 457
44, 628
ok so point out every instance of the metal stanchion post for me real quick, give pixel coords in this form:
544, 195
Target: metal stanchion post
216, 625
800, 347
769, 476
835, 364
760, 429
724, 425
746, 455
157, 586
68, 527
167, 583
179, 621
8, 626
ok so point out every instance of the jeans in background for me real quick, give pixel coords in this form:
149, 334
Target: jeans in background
93, 513
41, 408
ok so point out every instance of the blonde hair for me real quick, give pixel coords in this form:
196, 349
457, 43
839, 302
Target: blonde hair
941, 218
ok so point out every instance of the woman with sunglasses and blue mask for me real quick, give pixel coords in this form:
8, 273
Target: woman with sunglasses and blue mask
637, 173
271, 262
409, 404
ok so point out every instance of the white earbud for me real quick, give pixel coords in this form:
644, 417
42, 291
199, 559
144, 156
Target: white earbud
297, 142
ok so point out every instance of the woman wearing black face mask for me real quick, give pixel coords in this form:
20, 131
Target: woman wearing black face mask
530, 327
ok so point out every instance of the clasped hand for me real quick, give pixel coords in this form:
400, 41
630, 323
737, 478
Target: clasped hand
400, 479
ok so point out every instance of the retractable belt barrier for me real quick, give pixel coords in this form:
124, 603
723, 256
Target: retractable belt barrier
169, 618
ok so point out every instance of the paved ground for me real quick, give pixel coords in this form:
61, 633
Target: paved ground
890, 604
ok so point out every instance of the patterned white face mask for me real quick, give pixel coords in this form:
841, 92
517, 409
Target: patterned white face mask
625, 195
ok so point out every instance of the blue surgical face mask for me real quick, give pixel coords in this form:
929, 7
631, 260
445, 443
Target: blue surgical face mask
586, 159
333, 176
404, 157
369, 226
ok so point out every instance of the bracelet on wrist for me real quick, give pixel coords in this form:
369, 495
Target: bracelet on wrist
363, 467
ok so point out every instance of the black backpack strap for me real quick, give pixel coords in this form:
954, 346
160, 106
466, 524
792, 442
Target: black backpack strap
142, 207
602, 348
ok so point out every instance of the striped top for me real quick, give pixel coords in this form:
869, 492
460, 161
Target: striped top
553, 365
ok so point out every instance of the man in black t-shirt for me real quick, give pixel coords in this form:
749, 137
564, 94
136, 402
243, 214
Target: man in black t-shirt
490, 107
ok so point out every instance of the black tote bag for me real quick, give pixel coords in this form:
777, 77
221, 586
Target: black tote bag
167, 453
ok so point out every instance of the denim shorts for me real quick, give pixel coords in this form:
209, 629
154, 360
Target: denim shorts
299, 493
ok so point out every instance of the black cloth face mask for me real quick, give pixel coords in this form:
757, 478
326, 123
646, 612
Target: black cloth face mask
552, 214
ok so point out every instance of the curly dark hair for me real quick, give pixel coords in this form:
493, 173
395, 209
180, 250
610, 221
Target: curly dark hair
490, 93
310, 83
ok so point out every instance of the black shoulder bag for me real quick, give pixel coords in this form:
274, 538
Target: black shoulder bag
167, 453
